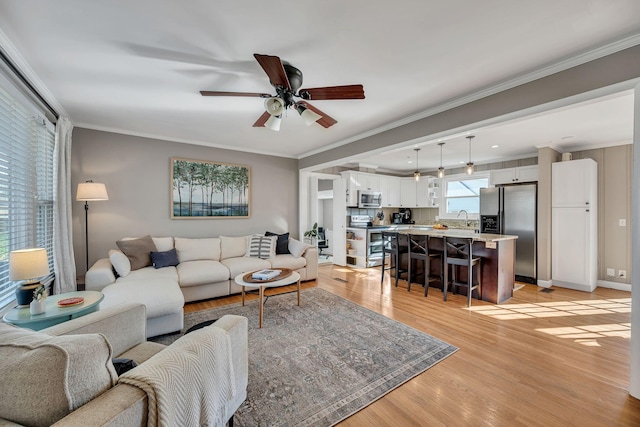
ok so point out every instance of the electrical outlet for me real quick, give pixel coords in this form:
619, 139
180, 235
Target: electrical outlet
622, 222
611, 272
622, 274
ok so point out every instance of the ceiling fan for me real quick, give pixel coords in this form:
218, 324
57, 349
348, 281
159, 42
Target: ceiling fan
287, 79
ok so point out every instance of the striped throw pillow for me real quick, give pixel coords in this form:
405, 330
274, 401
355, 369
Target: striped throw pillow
261, 246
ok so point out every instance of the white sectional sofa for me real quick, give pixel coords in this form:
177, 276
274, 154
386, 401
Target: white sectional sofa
199, 268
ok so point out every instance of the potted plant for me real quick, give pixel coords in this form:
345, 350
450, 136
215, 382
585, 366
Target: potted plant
312, 234
39, 303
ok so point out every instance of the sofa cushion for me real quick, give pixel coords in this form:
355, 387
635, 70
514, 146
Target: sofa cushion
288, 261
261, 246
120, 262
138, 251
282, 244
297, 248
150, 273
163, 244
232, 246
198, 249
160, 296
244, 265
193, 273
164, 259
46, 377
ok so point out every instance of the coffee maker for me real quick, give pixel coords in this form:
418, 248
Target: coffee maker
406, 216
397, 218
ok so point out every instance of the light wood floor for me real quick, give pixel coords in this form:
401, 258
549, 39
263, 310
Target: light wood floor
541, 359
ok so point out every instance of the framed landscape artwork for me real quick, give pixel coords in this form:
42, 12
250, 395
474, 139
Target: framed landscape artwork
210, 190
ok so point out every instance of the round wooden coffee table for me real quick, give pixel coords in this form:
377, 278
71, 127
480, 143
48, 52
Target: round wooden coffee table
294, 277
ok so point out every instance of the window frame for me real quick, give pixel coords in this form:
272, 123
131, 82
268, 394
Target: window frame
442, 211
27, 153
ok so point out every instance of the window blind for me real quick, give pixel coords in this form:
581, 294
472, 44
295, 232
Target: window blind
27, 143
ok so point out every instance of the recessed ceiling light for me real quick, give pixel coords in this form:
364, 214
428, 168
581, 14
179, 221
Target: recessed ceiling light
495, 146
461, 162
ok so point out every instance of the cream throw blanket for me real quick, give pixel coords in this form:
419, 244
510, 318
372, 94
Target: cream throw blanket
189, 382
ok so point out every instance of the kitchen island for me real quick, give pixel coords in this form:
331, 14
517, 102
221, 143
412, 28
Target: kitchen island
497, 252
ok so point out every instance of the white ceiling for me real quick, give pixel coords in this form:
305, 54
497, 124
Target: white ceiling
137, 66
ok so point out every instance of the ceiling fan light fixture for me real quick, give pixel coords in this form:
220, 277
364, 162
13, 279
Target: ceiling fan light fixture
470, 163
416, 174
274, 106
441, 168
273, 123
309, 117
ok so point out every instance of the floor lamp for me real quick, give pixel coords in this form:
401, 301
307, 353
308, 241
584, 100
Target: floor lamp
90, 192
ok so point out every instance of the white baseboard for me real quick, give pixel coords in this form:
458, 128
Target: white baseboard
614, 285
600, 283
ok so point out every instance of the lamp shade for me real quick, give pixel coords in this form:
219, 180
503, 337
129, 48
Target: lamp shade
91, 192
28, 264
274, 106
309, 117
273, 123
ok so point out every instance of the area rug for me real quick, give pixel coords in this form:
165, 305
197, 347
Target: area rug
319, 363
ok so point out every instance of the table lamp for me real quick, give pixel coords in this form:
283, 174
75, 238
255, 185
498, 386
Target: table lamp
28, 265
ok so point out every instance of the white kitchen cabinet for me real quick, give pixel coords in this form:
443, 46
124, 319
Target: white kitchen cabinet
574, 224
369, 181
355, 181
573, 183
514, 175
390, 189
407, 193
414, 194
352, 185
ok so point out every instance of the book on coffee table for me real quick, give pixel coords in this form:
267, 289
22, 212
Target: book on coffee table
266, 274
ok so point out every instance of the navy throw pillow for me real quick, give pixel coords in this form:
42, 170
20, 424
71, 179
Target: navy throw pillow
282, 245
164, 259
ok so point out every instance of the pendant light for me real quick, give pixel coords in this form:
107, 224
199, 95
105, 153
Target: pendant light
470, 163
440, 169
416, 174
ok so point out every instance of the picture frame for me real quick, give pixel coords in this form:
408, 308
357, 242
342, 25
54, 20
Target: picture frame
203, 189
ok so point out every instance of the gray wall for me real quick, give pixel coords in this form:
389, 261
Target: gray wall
614, 203
136, 172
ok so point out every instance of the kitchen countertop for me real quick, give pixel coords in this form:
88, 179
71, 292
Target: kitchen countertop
451, 232
455, 232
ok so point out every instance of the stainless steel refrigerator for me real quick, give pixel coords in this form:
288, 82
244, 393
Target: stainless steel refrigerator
512, 209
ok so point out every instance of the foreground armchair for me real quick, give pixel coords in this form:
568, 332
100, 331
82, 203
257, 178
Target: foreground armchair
64, 375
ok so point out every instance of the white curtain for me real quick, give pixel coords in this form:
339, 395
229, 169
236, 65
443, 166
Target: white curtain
63, 257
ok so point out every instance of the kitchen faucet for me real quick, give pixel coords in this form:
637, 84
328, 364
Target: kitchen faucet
466, 216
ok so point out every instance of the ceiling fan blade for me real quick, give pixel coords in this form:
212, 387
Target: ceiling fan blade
272, 65
262, 120
218, 93
333, 92
326, 120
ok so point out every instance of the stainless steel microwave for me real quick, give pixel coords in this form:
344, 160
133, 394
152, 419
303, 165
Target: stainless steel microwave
369, 199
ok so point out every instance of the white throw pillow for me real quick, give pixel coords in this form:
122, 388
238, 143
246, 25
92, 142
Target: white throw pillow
120, 262
259, 246
297, 248
232, 247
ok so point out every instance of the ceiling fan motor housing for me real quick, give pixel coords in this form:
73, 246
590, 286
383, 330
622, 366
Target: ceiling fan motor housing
295, 81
